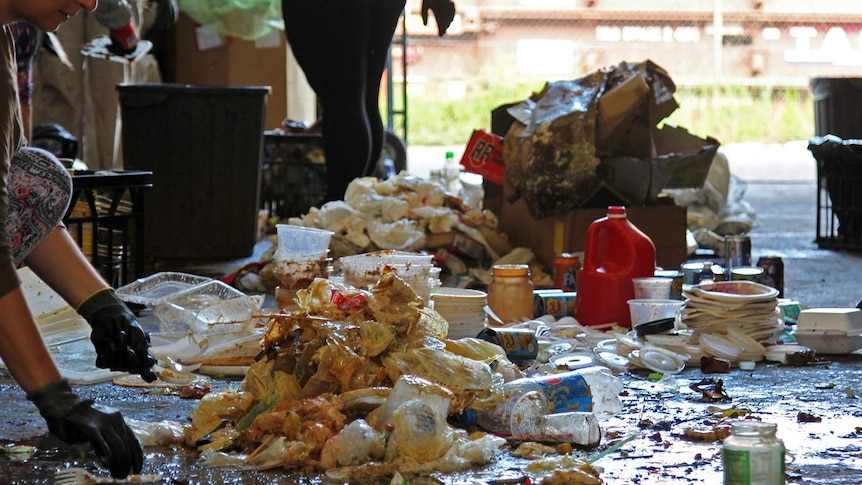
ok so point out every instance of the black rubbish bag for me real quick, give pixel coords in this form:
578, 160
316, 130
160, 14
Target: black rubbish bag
839, 168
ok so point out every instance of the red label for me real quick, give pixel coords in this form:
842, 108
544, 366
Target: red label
484, 155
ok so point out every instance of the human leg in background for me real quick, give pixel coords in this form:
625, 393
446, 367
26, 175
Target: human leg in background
341, 47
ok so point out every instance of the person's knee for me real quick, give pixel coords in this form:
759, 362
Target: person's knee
49, 173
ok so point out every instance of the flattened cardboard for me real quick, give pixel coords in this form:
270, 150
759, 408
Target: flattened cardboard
664, 224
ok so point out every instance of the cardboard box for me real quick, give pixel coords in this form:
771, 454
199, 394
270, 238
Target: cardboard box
233, 62
682, 161
664, 224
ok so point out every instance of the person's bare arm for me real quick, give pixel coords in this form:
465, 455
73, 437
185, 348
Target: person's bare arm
121, 344
21, 346
59, 262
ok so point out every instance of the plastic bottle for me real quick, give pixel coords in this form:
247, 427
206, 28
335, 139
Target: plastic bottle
528, 418
615, 252
591, 390
452, 173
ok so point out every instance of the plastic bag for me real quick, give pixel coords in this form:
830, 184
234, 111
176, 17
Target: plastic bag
246, 19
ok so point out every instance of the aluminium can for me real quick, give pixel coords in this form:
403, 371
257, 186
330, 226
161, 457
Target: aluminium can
539, 300
747, 273
773, 272
520, 344
677, 279
566, 268
737, 251
560, 304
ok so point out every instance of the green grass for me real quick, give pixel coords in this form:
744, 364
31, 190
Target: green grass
728, 114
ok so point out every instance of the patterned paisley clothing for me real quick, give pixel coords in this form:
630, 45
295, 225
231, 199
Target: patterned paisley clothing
35, 188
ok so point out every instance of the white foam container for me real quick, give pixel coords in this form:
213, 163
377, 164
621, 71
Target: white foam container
829, 342
843, 319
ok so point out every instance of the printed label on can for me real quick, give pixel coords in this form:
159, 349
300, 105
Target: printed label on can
520, 344
539, 301
677, 278
560, 304
566, 393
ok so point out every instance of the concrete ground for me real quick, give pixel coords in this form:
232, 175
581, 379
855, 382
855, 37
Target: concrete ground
781, 186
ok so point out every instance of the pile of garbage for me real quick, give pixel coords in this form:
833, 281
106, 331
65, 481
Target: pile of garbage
409, 213
361, 384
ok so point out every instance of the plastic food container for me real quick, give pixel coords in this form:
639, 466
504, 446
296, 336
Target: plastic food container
843, 319
147, 291
648, 310
300, 243
832, 342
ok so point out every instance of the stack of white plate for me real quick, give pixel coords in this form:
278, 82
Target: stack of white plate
747, 307
464, 309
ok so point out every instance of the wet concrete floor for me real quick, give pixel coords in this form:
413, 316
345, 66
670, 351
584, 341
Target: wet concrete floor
657, 413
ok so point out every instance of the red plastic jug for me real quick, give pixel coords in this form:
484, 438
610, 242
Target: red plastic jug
615, 252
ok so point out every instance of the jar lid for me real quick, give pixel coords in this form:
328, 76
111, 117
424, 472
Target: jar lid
510, 270
749, 427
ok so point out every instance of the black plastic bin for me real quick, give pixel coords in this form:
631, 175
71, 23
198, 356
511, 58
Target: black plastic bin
293, 174
837, 104
204, 147
839, 200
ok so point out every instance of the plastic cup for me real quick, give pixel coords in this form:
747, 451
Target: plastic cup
299, 243
648, 310
653, 288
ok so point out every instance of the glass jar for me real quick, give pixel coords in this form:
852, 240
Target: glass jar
510, 294
753, 455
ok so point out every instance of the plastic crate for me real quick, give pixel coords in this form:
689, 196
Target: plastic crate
839, 200
293, 173
106, 219
204, 145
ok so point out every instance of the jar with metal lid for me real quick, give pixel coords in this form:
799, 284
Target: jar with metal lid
753, 455
510, 294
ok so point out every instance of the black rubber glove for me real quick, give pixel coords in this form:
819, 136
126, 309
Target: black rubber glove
121, 344
75, 420
444, 13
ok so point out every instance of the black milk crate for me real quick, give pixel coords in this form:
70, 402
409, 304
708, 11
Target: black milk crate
293, 173
106, 219
839, 198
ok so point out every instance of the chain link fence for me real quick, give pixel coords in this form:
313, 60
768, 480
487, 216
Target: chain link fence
742, 67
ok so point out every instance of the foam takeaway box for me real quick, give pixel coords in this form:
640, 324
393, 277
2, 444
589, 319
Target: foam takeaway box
204, 146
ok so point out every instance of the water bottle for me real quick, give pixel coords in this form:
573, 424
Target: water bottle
615, 252
452, 174
564, 406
